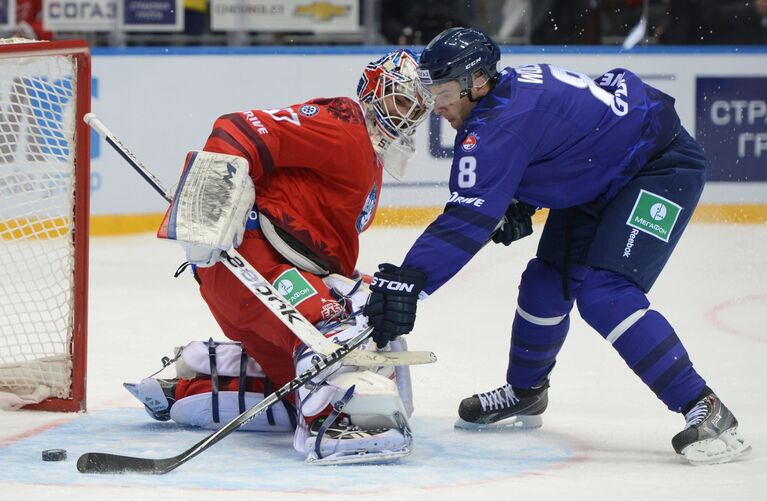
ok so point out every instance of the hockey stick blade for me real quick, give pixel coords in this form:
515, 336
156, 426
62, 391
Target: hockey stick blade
101, 462
385, 358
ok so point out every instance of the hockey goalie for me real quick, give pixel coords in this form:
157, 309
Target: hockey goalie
291, 189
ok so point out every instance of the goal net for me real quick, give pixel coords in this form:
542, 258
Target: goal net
44, 184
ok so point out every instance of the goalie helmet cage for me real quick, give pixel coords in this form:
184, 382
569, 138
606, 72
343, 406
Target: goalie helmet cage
44, 211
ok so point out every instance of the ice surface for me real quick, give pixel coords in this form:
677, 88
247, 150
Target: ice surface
605, 436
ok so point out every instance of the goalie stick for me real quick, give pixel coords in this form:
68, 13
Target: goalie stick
102, 462
262, 289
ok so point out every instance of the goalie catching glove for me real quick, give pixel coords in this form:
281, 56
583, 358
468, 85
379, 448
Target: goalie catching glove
393, 301
211, 206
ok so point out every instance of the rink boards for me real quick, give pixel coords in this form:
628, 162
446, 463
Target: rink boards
162, 103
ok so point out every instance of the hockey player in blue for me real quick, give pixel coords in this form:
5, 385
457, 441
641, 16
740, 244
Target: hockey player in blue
621, 178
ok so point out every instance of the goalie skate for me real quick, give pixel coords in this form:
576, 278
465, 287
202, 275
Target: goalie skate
502, 408
345, 443
157, 395
710, 435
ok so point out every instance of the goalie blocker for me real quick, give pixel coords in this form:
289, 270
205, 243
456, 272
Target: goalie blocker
211, 206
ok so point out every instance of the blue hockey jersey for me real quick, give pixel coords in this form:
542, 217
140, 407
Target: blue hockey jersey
546, 136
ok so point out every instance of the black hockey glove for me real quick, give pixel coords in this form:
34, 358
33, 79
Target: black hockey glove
393, 300
516, 223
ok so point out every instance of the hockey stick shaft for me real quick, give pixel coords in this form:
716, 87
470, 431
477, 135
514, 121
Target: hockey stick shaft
96, 124
100, 462
257, 284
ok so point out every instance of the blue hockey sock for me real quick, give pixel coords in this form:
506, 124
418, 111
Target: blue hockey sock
619, 311
540, 323
533, 351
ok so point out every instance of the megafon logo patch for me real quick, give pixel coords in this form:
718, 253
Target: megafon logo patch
654, 215
471, 142
294, 287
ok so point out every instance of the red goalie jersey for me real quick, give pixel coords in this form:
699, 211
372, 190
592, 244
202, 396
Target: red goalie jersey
316, 174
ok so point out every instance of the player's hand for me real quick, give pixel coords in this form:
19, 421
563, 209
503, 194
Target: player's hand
516, 223
393, 300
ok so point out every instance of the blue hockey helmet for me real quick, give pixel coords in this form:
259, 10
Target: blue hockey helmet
456, 54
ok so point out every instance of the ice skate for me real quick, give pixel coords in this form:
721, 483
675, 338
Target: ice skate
710, 435
503, 408
157, 395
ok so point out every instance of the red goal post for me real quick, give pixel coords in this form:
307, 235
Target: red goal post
45, 90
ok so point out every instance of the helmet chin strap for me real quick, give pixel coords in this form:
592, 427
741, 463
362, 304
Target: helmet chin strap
471, 97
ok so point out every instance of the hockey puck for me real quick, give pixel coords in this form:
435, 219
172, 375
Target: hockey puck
54, 455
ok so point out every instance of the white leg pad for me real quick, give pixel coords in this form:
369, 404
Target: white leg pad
195, 410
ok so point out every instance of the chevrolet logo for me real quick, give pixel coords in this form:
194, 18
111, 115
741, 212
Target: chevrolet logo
322, 11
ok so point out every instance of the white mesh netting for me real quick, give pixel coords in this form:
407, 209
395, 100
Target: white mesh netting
37, 127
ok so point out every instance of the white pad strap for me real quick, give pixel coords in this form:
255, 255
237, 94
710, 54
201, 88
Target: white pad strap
211, 206
194, 359
343, 286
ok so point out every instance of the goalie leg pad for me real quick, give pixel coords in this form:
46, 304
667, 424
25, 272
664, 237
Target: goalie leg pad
369, 422
345, 444
194, 410
372, 428
203, 393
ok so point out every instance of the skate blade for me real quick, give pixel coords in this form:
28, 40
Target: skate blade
358, 457
509, 424
726, 447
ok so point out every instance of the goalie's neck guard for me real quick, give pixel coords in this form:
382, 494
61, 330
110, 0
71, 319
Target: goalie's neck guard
394, 152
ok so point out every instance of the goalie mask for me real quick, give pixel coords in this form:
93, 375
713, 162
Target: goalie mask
395, 102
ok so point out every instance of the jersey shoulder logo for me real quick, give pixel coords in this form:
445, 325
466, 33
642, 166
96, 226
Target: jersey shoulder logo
471, 142
366, 215
308, 110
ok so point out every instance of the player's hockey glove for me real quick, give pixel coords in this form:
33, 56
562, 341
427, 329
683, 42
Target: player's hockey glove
393, 300
516, 223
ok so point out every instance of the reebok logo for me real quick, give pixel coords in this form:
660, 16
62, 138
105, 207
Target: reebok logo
630, 242
256, 285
